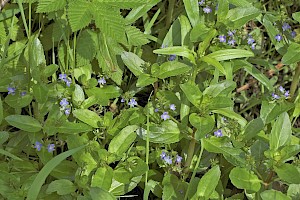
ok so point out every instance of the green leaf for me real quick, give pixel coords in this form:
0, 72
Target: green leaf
50, 70
242, 178
270, 111
221, 88
73, 128
144, 80
133, 62
89, 117
185, 30
42, 175
228, 54
118, 188
208, 182
209, 36
40, 92
62, 187
122, 141
296, 16
273, 194
6, 153
18, 101
214, 62
288, 151
223, 8
78, 95
192, 10
50, 5
171, 68
203, 124
25, 123
253, 128
167, 132
231, 114
294, 190
1, 111
288, 172
281, 132
241, 15
86, 46
102, 178
192, 92
104, 94
126, 4
199, 32
100, 194
291, 56
135, 36
79, 14
179, 51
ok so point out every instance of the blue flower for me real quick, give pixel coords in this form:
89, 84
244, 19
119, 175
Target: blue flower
222, 38
67, 111
250, 40
23, 93
62, 77
172, 57
163, 155
165, 116
281, 89
122, 100
287, 94
201, 2
178, 159
102, 81
231, 42
168, 160
253, 46
293, 34
231, 33
172, 107
207, 10
156, 110
132, 103
38, 145
218, 133
68, 82
11, 90
51, 147
64, 102
278, 37
275, 96
286, 26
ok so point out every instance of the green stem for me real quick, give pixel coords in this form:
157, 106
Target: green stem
190, 155
170, 13
23, 17
29, 19
295, 81
195, 170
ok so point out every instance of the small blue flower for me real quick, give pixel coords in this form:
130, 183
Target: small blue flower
38, 146
68, 82
172, 107
122, 100
102, 81
278, 37
201, 2
67, 111
11, 90
156, 110
207, 10
62, 77
172, 57
253, 46
231, 33
286, 26
218, 133
178, 159
168, 160
165, 116
287, 94
231, 42
250, 40
281, 89
293, 34
64, 102
23, 93
163, 155
275, 96
132, 103
222, 38
51, 147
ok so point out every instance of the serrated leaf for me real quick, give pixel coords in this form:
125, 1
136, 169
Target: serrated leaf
135, 36
79, 14
125, 4
50, 5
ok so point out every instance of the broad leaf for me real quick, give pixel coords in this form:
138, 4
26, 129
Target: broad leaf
172, 68
288, 172
229, 54
208, 182
89, 117
242, 178
24, 122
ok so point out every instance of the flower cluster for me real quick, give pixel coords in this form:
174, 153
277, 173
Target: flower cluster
12, 90
206, 9
65, 106
64, 78
132, 102
38, 146
168, 159
218, 133
231, 40
286, 27
165, 114
102, 81
251, 42
285, 93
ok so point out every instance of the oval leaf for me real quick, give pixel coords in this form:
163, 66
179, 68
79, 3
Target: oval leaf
25, 123
244, 179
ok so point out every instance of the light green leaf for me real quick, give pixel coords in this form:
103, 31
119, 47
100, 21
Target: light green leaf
214, 62
144, 80
203, 124
281, 132
296, 16
253, 128
192, 92
208, 182
50, 5
270, 111
179, 51
273, 194
78, 95
228, 54
231, 114
40, 92
18, 101
241, 15
73, 128
42, 175
288, 172
79, 14
221, 88
62, 187
171, 68
292, 54
192, 10
6, 153
100, 194
133, 62
24, 122
242, 178
89, 117
102, 178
